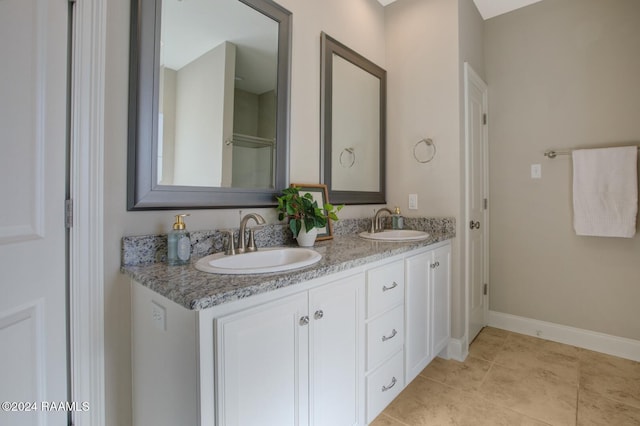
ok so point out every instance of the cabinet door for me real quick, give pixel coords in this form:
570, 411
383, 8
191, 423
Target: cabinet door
336, 347
418, 313
263, 365
441, 299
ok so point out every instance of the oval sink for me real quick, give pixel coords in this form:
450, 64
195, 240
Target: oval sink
270, 259
396, 235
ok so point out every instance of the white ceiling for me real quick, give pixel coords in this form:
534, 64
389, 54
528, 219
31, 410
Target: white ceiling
490, 8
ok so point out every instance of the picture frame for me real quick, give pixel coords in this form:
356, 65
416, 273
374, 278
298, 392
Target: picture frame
320, 193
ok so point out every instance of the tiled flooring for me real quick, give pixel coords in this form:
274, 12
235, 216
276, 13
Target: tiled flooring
510, 379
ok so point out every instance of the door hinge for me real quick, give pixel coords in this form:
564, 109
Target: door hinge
485, 289
68, 213
484, 118
485, 203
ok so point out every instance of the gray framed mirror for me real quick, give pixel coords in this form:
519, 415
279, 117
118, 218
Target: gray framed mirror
208, 103
353, 125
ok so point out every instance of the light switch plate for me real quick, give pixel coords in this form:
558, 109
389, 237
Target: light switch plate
536, 171
413, 201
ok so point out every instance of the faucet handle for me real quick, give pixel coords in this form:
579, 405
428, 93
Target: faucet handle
231, 246
251, 245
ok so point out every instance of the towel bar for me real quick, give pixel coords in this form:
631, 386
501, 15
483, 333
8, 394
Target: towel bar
552, 153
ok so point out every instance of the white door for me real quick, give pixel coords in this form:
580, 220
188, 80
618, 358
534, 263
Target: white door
441, 299
33, 111
263, 365
336, 353
476, 204
418, 314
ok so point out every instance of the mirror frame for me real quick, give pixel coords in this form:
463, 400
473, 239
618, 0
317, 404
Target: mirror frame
143, 191
329, 46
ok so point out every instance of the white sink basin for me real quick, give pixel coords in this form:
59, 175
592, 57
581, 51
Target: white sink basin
271, 259
396, 235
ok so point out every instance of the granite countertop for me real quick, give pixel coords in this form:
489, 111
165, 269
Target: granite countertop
198, 290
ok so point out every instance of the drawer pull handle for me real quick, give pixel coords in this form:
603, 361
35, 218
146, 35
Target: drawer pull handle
393, 334
385, 288
393, 383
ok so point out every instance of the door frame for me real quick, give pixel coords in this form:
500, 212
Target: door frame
86, 190
471, 76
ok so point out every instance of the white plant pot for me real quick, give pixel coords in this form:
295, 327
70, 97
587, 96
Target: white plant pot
307, 238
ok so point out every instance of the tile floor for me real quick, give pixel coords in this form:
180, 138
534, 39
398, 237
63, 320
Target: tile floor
511, 379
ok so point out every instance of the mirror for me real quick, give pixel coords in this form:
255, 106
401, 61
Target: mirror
209, 103
353, 125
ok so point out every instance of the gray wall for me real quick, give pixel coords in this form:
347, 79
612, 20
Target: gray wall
561, 74
427, 44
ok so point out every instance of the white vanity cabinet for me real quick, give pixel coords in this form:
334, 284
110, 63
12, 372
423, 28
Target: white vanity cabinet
278, 358
427, 307
295, 361
331, 351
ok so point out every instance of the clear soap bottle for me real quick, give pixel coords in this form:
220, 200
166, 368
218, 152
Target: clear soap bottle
178, 243
397, 222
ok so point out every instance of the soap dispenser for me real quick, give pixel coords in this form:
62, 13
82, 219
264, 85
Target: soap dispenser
397, 222
178, 243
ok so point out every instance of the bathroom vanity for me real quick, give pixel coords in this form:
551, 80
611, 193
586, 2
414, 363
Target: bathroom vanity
330, 344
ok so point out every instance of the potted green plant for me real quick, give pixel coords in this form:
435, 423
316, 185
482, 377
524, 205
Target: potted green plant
304, 214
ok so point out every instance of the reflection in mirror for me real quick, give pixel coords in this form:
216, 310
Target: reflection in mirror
209, 98
217, 95
353, 125
355, 99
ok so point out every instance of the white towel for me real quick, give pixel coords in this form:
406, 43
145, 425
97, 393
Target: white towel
605, 191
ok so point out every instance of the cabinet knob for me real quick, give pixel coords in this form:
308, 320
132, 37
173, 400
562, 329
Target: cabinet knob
393, 334
318, 314
474, 225
304, 320
392, 384
385, 288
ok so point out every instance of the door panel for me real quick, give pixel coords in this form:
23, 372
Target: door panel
477, 189
33, 111
262, 366
418, 313
441, 299
336, 343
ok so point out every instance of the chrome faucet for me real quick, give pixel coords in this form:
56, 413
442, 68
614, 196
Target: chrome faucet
375, 223
251, 245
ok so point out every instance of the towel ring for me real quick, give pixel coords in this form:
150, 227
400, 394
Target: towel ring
350, 161
428, 152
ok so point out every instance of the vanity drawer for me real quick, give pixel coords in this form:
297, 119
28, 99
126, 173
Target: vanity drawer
383, 385
385, 335
385, 287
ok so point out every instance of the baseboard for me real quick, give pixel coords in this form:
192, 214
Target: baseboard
599, 342
458, 349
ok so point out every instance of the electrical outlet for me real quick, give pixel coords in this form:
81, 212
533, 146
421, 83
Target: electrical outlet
159, 316
536, 171
413, 201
